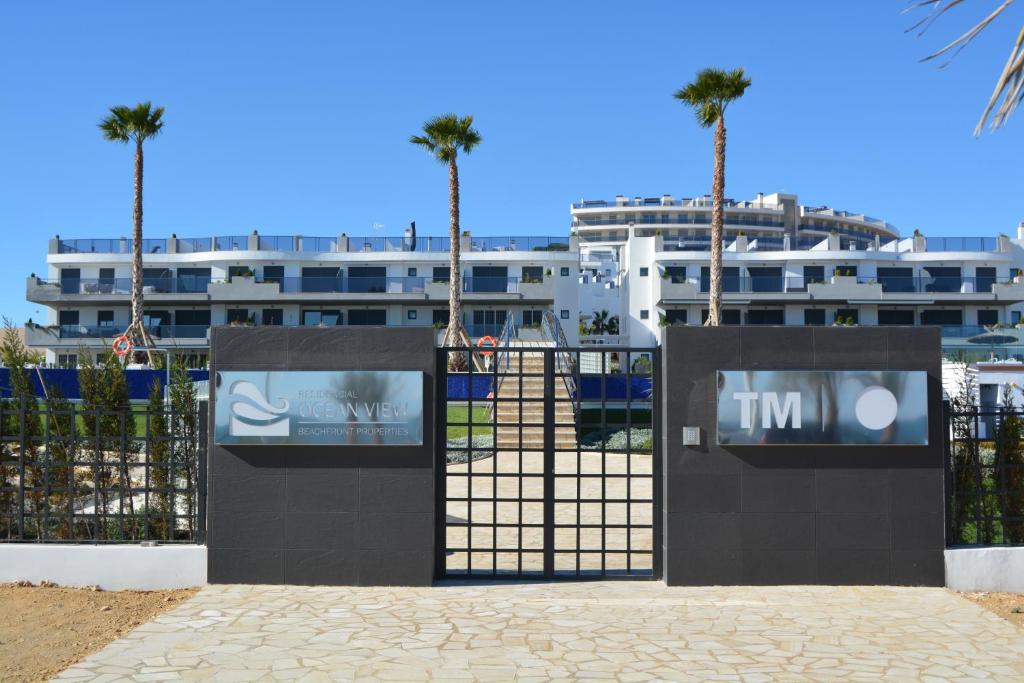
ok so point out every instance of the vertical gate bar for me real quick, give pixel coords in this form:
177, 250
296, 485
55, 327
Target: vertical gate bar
440, 462
122, 464
148, 462
494, 488
549, 463
469, 464
574, 370
202, 455
656, 465
21, 470
629, 462
604, 462
519, 445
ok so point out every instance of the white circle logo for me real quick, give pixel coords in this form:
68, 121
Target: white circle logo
876, 407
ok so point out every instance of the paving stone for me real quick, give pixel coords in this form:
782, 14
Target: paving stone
624, 631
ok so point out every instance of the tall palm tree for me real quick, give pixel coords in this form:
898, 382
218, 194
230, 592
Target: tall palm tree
444, 137
709, 95
1009, 85
138, 124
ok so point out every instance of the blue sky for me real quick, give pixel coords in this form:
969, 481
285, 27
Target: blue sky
293, 117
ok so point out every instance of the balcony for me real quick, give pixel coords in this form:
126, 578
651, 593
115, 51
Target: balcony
490, 285
84, 289
74, 335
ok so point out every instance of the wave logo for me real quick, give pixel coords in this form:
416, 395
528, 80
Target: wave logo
253, 415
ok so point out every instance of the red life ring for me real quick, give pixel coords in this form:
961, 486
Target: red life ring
122, 345
488, 340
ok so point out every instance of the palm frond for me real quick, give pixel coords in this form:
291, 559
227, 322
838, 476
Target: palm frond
1010, 84
712, 91
446, 135
137, 123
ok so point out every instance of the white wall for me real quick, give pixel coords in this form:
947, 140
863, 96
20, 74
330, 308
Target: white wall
111, 567
985, 569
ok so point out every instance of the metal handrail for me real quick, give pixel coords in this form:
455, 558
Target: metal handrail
552, 330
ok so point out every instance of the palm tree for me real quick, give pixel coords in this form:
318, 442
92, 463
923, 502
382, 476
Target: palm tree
138, 124
443, 137
709, 95
1009, 85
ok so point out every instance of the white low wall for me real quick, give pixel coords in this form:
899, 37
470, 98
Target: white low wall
111, 567
985, 569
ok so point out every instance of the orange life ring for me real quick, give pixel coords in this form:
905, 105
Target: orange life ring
122, 345
490, 340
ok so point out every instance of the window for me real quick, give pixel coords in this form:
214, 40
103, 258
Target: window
239, 271
564, 314
729, 317
374, 316
273, 274
731, 280
154, 319
675, 274
439, 316
238, 316
107, 280
896, 317
160, 279
984, 278
105, 318
67, 360
193, 280
321, 279
645, 314
1015, 317
192, 317
847, 316
532, 318
322, 318
442, 274
814, 316
67, 318
411, 313
273, 316
896, 279
70, 280
533, 274
845, 271
367, 279
565, 272
766, 317
644, 272
988, 317
942, 317
812, 275
675, 317
411, 272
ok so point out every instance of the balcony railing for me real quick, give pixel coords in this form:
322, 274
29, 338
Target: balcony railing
962, 243
111, 331
483, 284
352, 285
926, 284
183, 284
355, 244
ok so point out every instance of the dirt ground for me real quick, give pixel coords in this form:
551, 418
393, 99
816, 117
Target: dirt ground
44, 629
1009, 606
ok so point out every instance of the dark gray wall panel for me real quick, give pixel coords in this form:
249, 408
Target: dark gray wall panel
338, 515
797, 514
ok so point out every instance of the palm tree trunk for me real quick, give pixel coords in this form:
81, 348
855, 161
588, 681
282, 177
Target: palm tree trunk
717, 219
137, 248
456, 335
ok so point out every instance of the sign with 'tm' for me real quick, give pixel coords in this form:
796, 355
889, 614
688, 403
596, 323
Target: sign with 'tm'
842, 407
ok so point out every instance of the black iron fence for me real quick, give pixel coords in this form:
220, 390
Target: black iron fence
985, 476
75, 475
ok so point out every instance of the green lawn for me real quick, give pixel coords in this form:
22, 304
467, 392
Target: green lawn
481, 421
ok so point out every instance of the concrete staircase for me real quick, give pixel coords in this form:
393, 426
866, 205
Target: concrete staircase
510, 435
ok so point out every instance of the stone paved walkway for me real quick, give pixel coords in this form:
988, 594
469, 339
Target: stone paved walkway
539, 632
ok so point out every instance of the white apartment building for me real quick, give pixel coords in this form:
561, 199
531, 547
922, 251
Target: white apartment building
646, 262
191, 284
643, 262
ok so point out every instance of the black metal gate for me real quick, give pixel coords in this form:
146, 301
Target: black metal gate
548, 462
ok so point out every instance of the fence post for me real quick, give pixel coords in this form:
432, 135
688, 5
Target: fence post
201, 473
549, 462
441, 460
947, 468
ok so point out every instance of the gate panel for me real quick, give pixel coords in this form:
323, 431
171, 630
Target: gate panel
549, 463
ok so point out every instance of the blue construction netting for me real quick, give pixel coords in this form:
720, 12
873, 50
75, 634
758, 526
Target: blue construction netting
66, 380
